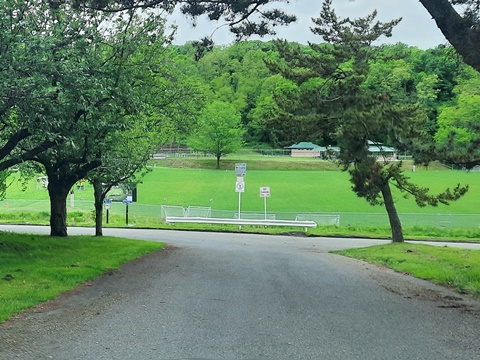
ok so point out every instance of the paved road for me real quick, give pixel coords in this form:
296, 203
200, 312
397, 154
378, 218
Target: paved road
237, 296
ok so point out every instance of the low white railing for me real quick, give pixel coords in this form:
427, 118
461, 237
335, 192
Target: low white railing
240, 222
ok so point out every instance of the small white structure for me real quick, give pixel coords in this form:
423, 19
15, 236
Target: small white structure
306, 149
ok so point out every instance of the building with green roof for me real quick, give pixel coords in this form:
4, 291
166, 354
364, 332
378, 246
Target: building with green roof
306, 149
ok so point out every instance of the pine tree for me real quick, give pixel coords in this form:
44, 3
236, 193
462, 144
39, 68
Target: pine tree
331, 78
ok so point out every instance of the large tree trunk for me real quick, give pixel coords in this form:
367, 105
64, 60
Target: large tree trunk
99, 197
395, 224
464, 37
58, 193
218, 161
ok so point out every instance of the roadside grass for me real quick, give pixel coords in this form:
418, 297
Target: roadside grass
35, 268
457, 268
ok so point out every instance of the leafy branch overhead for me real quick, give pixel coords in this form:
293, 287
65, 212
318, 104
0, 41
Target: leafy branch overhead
243, 17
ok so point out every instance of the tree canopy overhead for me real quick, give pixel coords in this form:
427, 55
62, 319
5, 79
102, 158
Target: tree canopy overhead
244, 17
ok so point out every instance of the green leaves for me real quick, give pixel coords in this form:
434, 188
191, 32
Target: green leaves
459, 125
219, 130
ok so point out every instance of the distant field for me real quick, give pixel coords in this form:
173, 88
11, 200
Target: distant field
294, 190
327, 190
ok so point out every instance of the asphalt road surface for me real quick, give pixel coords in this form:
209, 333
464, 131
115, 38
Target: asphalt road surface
238, 296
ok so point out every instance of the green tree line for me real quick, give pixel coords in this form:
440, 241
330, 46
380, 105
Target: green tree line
238, 74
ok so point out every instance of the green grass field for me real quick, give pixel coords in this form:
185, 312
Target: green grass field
297, 186
321, 187
294, 190
35, 268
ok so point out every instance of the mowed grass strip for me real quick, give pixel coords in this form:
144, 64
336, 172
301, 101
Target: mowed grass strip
457, 268
35, 268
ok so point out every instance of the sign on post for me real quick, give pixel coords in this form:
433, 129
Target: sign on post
265, 191
240, 169
107, 202
240, 172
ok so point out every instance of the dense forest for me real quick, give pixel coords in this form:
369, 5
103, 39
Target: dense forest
436, 81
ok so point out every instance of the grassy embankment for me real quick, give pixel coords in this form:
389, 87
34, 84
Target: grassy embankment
456, 268
35, 268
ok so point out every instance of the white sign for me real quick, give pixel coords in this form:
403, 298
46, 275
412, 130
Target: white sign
265, 191
240, 169
107, 206
240, 187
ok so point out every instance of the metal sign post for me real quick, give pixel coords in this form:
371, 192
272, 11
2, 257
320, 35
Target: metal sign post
265, 192
240, 188
240, 172
107, 207
126, 202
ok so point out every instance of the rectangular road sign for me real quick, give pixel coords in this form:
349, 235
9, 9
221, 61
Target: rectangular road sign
240, 187
240, 169
265, 191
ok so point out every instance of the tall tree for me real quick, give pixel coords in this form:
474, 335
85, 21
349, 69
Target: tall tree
458, 135
171, 105
100, 77
219, 131
334, 81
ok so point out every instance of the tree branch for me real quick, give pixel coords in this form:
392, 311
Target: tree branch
458, 30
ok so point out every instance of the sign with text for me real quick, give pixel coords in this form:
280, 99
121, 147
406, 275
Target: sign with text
240, 169
265, 191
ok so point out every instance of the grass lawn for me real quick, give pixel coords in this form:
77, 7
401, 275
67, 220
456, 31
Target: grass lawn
458, 268
298, 185
294, 190
35, 268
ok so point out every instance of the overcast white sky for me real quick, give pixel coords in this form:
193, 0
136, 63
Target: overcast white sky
416, 29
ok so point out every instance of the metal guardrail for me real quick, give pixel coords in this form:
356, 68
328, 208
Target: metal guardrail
240, 222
